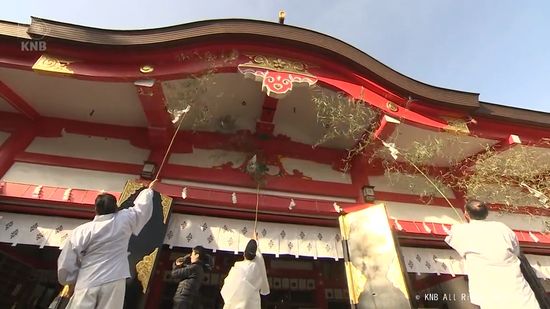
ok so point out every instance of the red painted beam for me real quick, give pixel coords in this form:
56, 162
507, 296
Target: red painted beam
385, 129
11, 122
89, 164
416, 199
362, 165
265, 217
247, 201
265, 126
272, 148
153, 103
52, 127
16, 197
359, 92
16, 143
17, 102
499, 130
485, 127
17, 193
66, 211
238, 178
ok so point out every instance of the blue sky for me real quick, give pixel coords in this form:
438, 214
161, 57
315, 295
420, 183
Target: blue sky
498, 48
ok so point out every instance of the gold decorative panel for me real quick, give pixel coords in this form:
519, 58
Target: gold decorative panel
52, 64
144, 269
392, 106
278, 75
166, 202
276, 64
457, 125
130, 188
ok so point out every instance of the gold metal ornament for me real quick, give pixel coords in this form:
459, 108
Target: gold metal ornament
144, 269
130, 188
392, 106
276, 64
166, 201
456, 125
50, 64
146, 69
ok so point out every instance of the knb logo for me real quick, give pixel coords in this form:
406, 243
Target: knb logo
33, 46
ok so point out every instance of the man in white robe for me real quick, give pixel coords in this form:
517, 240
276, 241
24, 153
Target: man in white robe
246, 281
490, 250
94, 260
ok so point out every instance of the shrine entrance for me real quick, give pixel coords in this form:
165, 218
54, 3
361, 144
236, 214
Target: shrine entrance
294, 282
29, 276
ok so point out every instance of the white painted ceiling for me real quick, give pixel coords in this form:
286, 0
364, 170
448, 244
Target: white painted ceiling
63, 97
454, 147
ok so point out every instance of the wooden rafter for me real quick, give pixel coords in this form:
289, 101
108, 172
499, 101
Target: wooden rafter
17, 102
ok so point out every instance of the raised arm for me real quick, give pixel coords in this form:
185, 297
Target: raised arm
456, 240
264, 283
141, 212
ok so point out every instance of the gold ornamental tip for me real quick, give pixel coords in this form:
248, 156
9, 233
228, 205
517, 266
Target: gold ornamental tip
65, 291
282, 16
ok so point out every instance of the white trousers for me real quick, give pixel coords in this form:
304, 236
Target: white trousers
107, 296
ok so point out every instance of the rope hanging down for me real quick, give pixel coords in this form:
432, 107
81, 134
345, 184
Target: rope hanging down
257, 204
394, 152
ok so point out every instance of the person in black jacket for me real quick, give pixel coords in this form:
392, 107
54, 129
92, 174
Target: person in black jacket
190, 271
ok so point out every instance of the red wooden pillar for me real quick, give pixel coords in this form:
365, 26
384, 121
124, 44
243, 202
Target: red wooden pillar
16, 143
320, 287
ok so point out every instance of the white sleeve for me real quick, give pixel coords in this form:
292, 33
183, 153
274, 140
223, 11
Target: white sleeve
455, 241
514, 243
67, 264
141, 212
264, 284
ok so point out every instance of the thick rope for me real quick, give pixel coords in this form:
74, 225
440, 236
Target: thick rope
257, 204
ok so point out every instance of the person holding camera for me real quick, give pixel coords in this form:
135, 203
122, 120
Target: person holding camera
189, 270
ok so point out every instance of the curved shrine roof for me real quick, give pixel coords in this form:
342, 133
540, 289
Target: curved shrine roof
290, 35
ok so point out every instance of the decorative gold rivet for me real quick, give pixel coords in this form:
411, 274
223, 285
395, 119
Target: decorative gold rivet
146, 69
392, 106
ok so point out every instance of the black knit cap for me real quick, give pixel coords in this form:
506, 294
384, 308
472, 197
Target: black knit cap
250, 250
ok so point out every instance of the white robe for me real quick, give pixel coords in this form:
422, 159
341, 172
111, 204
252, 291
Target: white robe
490, 250
97, 251
244, 284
